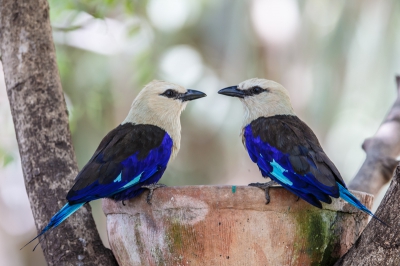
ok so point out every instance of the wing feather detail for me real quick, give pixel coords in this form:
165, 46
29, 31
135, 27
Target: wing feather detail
127, 158
288, 142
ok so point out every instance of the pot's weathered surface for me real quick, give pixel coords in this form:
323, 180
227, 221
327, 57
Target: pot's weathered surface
228, 225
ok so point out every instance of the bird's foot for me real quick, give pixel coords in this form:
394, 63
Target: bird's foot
265, 187
123, 203
151, 189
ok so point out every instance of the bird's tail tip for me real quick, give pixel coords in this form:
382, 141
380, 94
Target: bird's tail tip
378, 219
39, 235
56, 220
350, 198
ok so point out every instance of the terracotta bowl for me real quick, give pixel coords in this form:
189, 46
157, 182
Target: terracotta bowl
229, 225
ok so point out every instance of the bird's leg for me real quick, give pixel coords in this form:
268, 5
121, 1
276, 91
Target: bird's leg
265, 187
151, 189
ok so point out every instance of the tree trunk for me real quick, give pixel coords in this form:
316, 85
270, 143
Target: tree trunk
41, 124
379, 244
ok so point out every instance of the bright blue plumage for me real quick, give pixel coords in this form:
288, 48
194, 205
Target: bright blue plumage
134, 173
63, 214
133, 156
129, 157
284, 147
275, 164
59, 217
347, 196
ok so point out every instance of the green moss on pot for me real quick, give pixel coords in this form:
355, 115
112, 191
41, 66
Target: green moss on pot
317, 227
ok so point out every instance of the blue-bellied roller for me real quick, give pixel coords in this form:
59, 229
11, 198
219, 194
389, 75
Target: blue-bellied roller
133, 156
284, 148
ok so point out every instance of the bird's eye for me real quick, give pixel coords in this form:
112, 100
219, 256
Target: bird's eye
169, 93
256, 90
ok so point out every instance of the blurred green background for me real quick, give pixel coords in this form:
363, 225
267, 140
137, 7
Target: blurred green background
337, 59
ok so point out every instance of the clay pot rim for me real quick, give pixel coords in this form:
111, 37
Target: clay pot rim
224, 196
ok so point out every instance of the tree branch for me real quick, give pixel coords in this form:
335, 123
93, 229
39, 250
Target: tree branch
382, 150
41, 124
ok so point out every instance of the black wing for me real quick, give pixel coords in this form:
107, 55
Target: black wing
129, 150
296, 141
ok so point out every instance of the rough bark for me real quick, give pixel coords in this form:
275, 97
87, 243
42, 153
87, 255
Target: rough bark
382, 150
379, 244
41, 124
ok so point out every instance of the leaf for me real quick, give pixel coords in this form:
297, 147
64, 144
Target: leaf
5, 158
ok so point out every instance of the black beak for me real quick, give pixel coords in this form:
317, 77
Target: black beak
191, 95
232, 91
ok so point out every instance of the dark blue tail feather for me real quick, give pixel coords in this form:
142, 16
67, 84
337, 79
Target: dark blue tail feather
350, 198
58, 218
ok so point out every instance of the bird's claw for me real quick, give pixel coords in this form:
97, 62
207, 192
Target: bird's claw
151, 189
265, 187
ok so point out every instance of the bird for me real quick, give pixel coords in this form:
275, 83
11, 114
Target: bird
284, 148
133, 156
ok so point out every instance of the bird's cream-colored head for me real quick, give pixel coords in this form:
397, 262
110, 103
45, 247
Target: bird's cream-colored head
161, 103
261, 98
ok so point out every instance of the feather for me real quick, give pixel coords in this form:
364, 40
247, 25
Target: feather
58, 218
129, 157
293, 145
132, 153
347, 196
287, 151
284, 147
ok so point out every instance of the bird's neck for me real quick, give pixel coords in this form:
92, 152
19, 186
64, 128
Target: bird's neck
254, 110
168, 121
